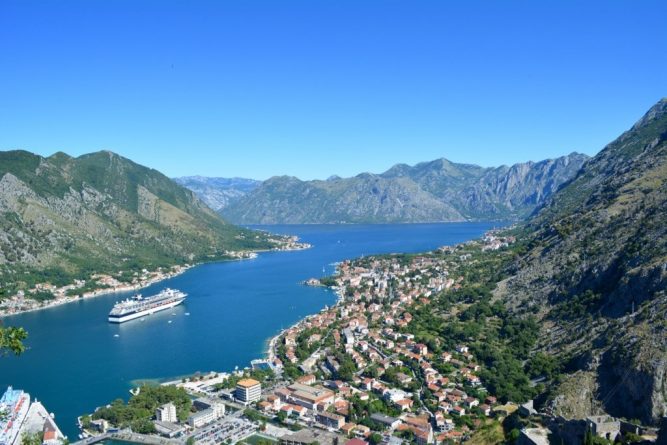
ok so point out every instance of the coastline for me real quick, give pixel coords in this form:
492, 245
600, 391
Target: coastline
272, 342
159, 276
101, 291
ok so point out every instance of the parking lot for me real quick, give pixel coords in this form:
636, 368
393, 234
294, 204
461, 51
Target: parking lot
232, 429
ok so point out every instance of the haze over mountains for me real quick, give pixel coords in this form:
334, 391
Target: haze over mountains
218, 193
439, 190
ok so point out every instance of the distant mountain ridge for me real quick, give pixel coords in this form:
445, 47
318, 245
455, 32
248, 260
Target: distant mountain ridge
218, 193
439, 190
63, 217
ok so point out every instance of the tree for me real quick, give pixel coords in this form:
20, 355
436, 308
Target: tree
513, 435
11, 340
190, 441
588, 438
143, 426
32, 439
85, 421
282, 416
541, 365
347, 367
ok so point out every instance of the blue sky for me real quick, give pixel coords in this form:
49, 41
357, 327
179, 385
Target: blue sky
315, 88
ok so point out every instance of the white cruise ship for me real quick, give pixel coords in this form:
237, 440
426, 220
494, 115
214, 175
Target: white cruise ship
14, 406
139, 306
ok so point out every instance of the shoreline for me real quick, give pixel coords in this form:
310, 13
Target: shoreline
100, 292
253, 254
270, 352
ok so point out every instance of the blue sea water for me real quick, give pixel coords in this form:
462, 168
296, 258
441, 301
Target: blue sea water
77, 360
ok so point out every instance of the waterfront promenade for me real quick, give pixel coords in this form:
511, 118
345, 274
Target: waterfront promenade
129, 436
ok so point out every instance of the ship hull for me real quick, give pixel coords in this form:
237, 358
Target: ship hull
127, 317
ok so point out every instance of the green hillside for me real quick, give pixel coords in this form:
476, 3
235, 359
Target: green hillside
63, 218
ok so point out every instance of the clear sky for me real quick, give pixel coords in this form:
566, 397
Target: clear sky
314, 88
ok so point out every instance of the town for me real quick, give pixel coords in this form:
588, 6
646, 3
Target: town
45, 295
362, 372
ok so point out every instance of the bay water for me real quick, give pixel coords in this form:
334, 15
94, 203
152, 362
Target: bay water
77, 361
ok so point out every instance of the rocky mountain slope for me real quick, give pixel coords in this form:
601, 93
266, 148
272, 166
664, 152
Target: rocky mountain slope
217, 193
595, 272
64, 217
432, 191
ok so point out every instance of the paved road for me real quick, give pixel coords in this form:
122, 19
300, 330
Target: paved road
128, 436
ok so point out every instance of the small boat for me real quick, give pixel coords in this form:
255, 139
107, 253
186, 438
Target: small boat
169, 321
187, 313
116, 335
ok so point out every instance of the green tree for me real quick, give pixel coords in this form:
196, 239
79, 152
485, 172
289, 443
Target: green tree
375, 438
588, 437
32, 439
85, 421
11, 340
282, 416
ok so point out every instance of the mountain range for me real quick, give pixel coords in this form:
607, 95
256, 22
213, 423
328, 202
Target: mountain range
218, 193
592, 265
595, 274
63, 218
439, 190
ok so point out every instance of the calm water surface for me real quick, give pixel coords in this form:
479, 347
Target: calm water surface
77, 360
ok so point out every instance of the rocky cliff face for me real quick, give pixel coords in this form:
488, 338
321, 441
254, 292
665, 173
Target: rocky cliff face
433, 191
218, 193
363, 199
596, 272
519, 189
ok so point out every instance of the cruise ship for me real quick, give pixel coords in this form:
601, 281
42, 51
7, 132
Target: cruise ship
139, 306
14, 406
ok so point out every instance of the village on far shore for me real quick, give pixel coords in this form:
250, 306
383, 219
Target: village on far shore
46, 295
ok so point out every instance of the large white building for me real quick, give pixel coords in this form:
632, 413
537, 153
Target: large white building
166, 413
315, 398
394, 395
204, 403
202, 418
248, 390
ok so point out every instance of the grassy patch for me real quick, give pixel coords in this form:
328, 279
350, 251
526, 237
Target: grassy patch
256, 439
490, 433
